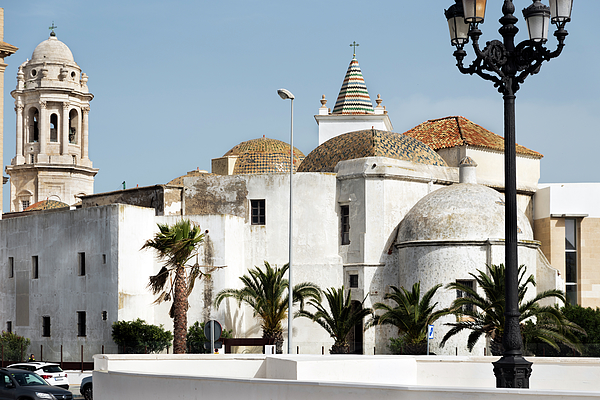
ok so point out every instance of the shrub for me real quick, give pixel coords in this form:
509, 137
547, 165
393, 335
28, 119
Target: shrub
196, 338
403, 345
138, 337
15, 347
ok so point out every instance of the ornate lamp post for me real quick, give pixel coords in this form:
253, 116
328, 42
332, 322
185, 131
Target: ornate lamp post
507, 65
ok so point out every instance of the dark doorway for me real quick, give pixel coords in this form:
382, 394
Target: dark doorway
355, 337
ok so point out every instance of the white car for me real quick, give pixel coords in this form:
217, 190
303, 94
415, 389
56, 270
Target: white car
52, 373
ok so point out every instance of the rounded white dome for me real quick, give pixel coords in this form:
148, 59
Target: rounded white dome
52, 49
462, 211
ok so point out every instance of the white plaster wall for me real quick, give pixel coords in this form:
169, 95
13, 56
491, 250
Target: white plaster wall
435, 264
334, 125
335, 377
567, 198
135, 266
490, 169
59, 292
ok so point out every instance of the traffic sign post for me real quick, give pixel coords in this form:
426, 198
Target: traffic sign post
429, 336
212, 331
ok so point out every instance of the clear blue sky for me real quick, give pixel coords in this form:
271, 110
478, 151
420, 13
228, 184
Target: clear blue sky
180, 82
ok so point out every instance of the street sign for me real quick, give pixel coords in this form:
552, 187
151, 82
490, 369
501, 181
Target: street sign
429, 332
208, 328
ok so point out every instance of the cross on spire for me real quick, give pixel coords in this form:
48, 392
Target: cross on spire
354, 44
52, 28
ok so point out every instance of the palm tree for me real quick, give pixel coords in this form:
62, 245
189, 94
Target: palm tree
266, 293
340, 320
484, 315
411, 315
176, 245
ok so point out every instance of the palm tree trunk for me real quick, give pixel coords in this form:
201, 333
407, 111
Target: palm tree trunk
180, 306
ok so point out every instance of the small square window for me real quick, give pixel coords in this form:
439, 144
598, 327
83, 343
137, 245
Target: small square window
9, 326
353, 281
24, 204
11, 267
81, 328
104, 315
103, 258
258, 212
34, 267
46, 326
345, 224
81, 262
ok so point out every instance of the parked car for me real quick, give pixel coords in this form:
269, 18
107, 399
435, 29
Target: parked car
52, 373
86, 388
22, 384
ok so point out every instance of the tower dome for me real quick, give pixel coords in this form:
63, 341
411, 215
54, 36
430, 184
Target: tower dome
463, 211
368, 143
263, 155
52, 50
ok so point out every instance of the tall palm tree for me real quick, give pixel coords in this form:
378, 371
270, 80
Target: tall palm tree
265, 291
340, 320
176, 245
410, 315
484, 315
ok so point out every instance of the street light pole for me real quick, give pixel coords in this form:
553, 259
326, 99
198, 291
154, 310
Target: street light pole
507, 66
286, 94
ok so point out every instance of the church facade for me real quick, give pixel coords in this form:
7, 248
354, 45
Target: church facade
372, 208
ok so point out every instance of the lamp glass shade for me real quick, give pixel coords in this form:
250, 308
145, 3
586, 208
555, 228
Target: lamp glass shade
537, 24
459, 31
474, 10
560, 10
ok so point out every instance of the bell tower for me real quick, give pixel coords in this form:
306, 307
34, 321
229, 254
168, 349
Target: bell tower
52, 103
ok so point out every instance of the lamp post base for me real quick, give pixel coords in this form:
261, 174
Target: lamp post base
512, 372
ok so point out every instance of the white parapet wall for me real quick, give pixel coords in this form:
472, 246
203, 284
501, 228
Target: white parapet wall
305, 377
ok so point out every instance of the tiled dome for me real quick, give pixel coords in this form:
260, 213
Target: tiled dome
368, 143
263, 155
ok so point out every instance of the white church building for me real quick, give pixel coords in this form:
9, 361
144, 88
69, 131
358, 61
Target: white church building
372, 208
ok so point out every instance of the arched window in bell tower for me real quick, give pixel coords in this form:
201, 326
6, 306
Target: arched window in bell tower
73, 122
34, 132
53, 128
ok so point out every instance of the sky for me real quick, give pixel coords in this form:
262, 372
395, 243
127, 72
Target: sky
181, 82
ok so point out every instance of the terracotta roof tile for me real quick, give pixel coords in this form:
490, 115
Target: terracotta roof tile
46, 205
458, 131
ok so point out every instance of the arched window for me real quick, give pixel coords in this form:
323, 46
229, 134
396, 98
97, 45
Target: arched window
73, 122
33, 119
53, 128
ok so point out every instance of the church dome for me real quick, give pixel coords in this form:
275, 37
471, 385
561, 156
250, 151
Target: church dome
263, 155
368, 143
52, 49
463, 211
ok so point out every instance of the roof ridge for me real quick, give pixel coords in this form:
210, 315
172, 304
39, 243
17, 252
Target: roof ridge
460, 131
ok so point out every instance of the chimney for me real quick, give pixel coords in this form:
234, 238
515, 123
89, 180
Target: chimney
466, 171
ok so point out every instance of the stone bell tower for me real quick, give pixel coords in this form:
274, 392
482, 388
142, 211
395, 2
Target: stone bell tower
52, 103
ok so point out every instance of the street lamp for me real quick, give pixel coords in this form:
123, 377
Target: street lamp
507, 66
285, 95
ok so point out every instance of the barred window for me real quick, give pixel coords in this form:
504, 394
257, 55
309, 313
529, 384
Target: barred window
258, 212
